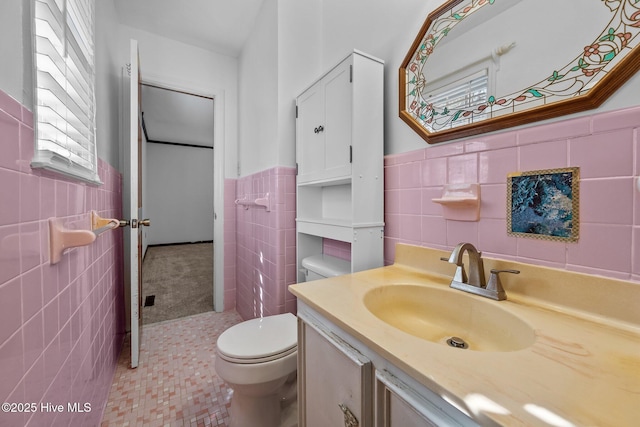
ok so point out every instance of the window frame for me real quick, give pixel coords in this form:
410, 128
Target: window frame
65, 88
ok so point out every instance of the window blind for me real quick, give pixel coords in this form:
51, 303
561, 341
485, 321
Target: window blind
463, 94
65, 88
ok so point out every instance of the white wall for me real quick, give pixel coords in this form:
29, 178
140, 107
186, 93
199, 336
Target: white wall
299, 36
312, 36
108, 75
179, 194
15, 51
275, 65
258, 92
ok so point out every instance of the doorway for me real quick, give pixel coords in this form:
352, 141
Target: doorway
183, 185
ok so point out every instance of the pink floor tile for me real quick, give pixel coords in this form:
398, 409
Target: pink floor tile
175, 383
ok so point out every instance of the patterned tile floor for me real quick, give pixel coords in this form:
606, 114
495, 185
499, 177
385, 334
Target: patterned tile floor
175, 383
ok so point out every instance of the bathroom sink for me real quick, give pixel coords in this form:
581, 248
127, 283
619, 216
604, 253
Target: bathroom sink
439, 314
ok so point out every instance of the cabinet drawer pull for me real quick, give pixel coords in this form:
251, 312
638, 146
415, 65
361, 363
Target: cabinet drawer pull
318, 129
349, 419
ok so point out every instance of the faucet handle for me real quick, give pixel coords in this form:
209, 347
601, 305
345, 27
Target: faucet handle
494, 271
495, 285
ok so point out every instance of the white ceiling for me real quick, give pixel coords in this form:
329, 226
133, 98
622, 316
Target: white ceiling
221, 26
177, 117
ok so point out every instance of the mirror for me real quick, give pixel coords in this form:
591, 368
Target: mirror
482, 65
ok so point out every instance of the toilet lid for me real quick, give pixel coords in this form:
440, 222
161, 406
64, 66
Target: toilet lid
262, 338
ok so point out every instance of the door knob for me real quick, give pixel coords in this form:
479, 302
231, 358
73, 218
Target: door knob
134, 223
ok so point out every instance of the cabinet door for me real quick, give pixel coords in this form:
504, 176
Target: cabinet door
399, 413
332, 376
397, 405
309, 140
338, 120
323, 127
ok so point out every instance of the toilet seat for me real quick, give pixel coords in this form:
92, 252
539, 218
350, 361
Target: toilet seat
259, 340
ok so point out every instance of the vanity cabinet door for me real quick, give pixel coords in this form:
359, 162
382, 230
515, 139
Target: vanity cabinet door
323, 127
333, 378
397, 405
398, 412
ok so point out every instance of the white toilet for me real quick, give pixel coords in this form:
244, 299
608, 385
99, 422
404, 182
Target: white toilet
257, 358
321, 266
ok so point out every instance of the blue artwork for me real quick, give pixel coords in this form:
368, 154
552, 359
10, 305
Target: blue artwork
544, 204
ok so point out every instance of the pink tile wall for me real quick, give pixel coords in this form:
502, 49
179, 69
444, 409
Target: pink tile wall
265, 246
61, 326
230, 246
336, 248
605, 146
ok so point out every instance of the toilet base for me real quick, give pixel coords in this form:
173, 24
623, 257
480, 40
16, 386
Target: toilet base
277, 409
251, 411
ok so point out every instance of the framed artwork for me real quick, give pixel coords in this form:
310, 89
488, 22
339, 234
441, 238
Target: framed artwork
544, 204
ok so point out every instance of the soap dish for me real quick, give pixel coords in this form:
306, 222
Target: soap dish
460, 202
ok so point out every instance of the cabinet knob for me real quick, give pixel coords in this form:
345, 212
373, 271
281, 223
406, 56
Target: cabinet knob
318, 129
349, 419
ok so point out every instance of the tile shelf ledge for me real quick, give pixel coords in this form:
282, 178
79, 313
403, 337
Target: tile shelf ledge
460, 202
456, 201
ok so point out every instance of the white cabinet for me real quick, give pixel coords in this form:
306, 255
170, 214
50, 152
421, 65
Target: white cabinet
339, 155
335, 368
324, 127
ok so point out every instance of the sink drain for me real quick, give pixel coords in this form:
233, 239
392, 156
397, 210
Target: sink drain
457, 342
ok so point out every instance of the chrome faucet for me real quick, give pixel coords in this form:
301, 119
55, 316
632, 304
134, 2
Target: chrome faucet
475, 283
476, 266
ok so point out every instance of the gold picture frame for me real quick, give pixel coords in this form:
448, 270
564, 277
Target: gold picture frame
544, 204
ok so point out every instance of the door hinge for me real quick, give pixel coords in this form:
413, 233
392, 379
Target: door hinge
296, 168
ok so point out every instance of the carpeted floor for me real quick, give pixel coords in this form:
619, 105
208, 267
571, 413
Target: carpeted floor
181, 279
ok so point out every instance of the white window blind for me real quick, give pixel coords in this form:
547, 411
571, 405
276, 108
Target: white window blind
463, 94
65, 88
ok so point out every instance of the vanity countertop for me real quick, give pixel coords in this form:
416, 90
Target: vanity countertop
582, 370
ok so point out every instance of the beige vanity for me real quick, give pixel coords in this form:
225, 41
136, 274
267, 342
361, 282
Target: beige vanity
562, 350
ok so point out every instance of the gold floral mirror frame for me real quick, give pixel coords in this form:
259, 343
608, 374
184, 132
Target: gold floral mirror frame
609, 59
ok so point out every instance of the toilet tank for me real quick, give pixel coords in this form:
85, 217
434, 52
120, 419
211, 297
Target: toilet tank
322, 266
